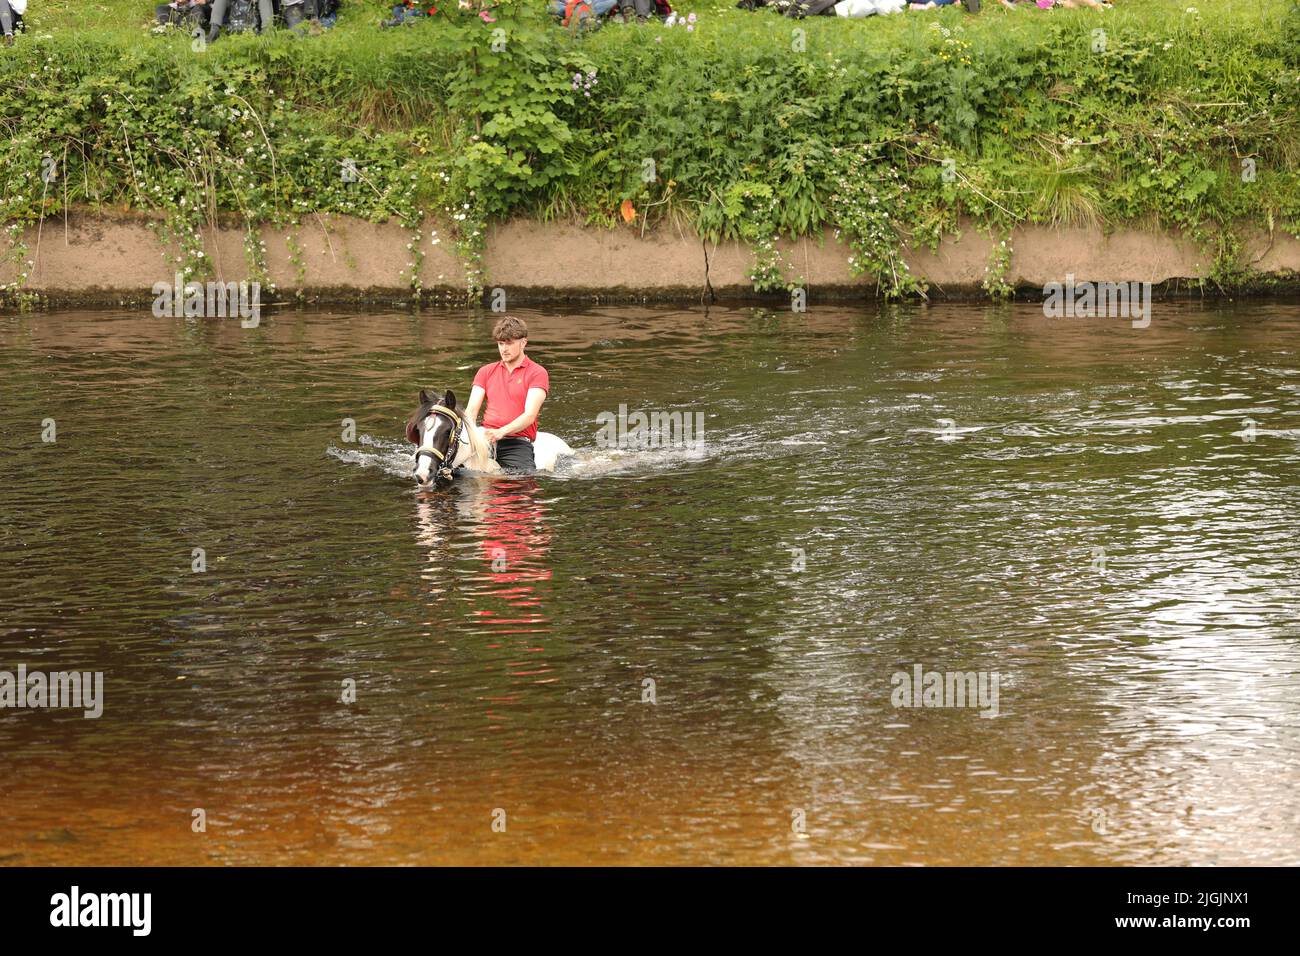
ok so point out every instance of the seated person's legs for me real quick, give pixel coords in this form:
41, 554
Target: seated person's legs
195, 17
7, 20
293, 11
516, 454
242, 17
217, 18
596, 8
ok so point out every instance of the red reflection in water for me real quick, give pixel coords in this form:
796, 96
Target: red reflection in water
513, 540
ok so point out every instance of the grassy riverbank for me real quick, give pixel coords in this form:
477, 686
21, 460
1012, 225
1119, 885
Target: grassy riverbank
752, 125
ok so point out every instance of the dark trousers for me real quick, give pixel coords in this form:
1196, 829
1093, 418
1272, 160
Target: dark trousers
516, 454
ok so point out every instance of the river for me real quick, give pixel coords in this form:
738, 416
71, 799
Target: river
658, 655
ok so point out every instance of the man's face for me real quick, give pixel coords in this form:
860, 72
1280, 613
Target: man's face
510, 351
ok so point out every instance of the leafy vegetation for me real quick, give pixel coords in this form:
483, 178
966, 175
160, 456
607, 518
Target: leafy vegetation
750, 125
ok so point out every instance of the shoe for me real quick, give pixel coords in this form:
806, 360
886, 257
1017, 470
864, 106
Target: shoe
214, 31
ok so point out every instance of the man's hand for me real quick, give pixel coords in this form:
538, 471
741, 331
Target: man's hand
493, 435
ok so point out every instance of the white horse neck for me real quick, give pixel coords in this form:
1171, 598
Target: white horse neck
474, 453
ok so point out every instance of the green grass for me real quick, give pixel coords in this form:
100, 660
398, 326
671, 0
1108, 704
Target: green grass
753, 125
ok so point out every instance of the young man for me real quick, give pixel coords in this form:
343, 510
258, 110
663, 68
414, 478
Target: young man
515, 388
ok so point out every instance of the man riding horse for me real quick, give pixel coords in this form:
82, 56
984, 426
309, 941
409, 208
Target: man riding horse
515, 388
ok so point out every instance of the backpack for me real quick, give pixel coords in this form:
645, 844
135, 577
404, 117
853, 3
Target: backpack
243, 16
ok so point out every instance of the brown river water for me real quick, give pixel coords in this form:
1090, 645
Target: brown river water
1106, 518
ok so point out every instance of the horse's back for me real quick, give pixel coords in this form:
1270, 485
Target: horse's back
547, 449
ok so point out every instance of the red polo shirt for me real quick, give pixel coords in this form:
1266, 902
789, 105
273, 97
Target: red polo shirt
507, 392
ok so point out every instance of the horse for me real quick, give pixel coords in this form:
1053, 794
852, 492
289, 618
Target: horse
446, 440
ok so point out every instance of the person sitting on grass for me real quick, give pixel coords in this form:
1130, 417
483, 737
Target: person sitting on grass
306, 16
244, 15
639, 10
408, 12
1048, 4
619, 11
857, 9
575, 11
973, 6
11, 18
192, 14
300, 16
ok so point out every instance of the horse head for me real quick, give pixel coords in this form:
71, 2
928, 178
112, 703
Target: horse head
438, 432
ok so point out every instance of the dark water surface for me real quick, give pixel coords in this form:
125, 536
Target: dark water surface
1095, 526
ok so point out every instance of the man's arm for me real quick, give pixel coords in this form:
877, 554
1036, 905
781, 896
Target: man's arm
532, 406
476, 394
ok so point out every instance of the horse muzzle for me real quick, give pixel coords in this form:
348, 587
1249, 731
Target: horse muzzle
439, 474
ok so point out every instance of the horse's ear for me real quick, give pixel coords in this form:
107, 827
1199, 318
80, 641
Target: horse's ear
424, 397
450, 400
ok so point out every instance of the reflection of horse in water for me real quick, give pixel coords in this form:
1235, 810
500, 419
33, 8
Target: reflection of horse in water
447, 441
506, 517
506, 612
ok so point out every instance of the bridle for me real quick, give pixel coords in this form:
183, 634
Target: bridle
444, 460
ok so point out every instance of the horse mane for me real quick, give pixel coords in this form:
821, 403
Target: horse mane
480, 457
